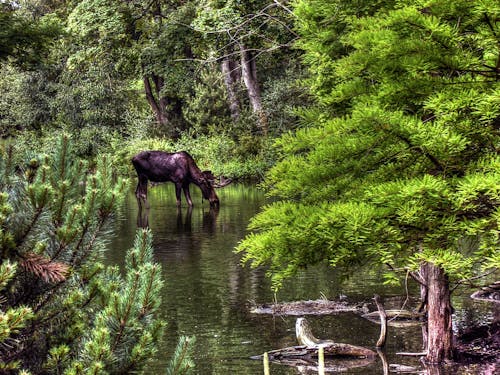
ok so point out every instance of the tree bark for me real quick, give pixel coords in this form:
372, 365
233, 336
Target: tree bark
440, 334
228, 69
249, 73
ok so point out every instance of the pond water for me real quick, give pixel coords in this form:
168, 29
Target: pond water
208, 294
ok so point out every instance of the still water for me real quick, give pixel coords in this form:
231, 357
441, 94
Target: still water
208, 294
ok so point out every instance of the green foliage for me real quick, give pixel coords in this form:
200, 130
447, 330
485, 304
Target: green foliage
125, 330
54, 215
98, 54
181, 362
167, 49
282, 97
12, 320
207, 110
400, 168
264, 31
27, 100
107, 22
24, 40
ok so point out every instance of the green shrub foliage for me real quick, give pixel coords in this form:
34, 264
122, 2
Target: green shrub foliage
61, 309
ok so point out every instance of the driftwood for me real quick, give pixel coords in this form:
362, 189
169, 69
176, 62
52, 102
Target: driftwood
307, 339
383, 322
490, 293
314, 307
397, 318
306, 360
338, 356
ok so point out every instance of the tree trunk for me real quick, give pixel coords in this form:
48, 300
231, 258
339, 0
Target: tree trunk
249, 72
439, 328
167, 111
160, 115
229, 71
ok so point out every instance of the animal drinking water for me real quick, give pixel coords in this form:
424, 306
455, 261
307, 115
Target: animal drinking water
179, 168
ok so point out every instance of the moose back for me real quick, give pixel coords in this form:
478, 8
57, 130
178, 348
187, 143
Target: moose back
179, 168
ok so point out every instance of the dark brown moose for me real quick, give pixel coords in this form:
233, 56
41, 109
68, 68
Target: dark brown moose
179, 168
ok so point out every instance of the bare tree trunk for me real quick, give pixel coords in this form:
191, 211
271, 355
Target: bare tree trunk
249, 72
229, 71
440, 334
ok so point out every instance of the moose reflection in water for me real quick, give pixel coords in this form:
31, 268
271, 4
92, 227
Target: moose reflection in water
183, 223
179, 168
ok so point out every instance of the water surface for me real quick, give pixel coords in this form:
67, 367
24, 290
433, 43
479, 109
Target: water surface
208, 294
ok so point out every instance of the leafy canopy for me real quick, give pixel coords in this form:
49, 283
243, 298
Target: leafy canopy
402, 164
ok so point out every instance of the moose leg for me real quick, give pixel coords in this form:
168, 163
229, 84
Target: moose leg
187, 195
178, 188
141, 192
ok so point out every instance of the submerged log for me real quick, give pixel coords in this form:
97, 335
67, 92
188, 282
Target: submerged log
311, 352
311, 307
306, 365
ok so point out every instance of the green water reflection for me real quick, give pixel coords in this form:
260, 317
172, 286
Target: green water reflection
207, 293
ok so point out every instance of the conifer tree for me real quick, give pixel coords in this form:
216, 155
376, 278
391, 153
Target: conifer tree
61, 310
399, 164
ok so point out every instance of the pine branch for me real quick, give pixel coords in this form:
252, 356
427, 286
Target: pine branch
181, 363
124, 318
24, 235
44, 268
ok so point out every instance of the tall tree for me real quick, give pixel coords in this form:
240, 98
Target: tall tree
139, 40
401, 164
239, 33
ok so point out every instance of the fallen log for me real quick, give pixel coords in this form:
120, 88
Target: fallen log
397, 318
309, 346
310, 307
331, 348
338, 356
490, 293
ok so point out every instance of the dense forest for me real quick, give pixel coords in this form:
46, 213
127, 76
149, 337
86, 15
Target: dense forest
375, 127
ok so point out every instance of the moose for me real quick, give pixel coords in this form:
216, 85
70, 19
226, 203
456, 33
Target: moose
179, 168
